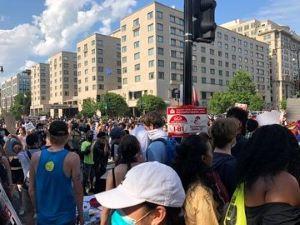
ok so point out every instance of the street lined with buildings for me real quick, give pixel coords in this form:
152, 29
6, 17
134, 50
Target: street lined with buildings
145, 56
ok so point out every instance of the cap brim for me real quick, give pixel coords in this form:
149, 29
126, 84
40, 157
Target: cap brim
117, 199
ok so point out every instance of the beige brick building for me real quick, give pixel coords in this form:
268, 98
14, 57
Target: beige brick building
63, 82
152, 57
283, 45
98, 66
40, 90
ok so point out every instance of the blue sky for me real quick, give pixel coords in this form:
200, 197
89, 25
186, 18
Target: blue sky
32, 30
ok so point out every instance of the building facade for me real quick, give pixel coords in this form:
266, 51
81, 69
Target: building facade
284, 45
63, 82
18, 84
98, 66
40, 89
152, 46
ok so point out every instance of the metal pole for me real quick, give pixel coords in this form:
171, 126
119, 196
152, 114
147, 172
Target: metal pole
188, 44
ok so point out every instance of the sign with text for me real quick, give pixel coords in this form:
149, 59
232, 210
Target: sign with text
185, 120
7, 213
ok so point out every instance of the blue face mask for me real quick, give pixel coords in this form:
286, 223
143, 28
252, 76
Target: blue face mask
118, 219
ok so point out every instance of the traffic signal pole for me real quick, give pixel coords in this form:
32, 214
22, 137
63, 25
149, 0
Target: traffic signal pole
188, 45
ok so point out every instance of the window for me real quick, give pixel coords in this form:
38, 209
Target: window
124, 59
93, 51
173, 42
195, 68
220, 63
161, 75
124, 49
194, 78
100, 51
100, 60
124, 70
136, 22
173, 30
203, 59
101, 86
219, 53
137, 67
159, 14
173, 76
173, 65
100, 69
161, 63
137, 78
203, 69
150, 15
160, 39
221, 82
221, 72
172, 19
150, 27
212, 52
150, 51
160, 51
123, 38
123, 28
93, 60
151, 63
160, 27
150, 40
136, 32
78, 49
213, 81
136, 55
212, 71
227, 73
212, 62
203, 79
151, 76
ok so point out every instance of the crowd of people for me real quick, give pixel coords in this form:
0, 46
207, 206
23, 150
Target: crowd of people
236, 173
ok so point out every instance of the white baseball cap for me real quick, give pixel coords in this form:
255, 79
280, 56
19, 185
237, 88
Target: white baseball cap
151, 182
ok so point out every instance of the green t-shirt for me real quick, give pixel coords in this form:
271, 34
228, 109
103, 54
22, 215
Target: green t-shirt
88, 159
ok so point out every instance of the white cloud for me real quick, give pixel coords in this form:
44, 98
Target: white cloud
57, 28
284, 12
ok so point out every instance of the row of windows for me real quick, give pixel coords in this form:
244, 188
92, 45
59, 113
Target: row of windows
93, 42
94, 87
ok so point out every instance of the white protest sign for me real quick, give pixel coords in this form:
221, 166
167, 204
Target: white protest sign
29, 126
186, 120
268, 118
7, 212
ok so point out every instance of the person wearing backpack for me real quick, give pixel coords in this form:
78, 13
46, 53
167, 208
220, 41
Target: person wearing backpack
88, 160
161, 148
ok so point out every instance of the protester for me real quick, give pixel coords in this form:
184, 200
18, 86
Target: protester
55, 181
116, 135
157, 148
205, 193
242, 116
5, 174
101, 154
142, 135
88, 162
271, 192
151, 193
251, 127
223, 134
22, 136
129, 156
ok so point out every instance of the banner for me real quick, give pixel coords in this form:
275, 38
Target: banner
8, 215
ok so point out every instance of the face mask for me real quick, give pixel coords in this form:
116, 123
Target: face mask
118, 219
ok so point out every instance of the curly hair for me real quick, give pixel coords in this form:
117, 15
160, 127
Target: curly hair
270, 150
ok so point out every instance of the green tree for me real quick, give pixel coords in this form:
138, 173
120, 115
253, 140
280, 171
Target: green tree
148, 103
113, 105
283, 104
21, 105
241, 89
89, 107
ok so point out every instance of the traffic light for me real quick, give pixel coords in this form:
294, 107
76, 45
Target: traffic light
204, 25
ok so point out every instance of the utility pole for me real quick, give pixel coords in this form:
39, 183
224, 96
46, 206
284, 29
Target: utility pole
188, 44
199, 26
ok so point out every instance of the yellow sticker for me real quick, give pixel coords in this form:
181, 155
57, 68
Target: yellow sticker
49, 166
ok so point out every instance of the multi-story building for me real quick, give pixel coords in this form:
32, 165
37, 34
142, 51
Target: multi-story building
98, 66
284, 45
63, 82
152, 57
40, 90
18, 84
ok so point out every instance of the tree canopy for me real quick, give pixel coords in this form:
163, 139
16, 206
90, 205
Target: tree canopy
112, 105
241, 89
148, 103
21, 105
